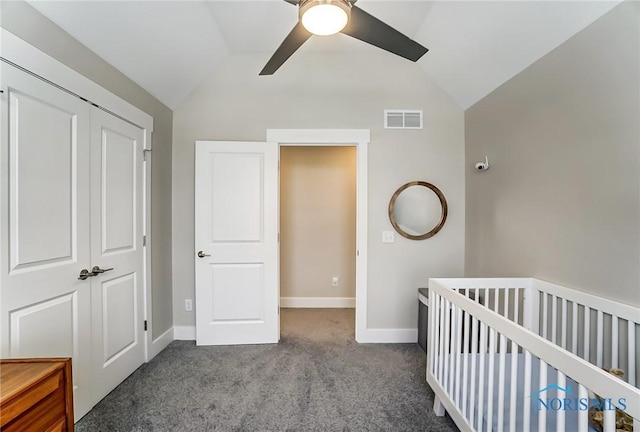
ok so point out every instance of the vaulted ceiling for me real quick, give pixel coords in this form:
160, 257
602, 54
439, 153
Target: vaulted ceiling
169, 47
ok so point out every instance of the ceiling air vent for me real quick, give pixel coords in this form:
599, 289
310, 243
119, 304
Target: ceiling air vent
402, 119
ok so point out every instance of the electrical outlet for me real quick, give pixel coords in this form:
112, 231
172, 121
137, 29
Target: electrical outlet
334, 281
188, 305
388, 237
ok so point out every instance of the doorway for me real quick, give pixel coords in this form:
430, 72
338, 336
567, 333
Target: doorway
317, 227
359, 139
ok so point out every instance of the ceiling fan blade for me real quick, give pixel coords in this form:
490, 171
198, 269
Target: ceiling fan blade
293, 2
291, 43
371, 30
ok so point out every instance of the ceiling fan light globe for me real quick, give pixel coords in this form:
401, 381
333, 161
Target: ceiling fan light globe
324, 18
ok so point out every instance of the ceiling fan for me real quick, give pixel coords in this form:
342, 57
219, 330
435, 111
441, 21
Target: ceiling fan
326, 17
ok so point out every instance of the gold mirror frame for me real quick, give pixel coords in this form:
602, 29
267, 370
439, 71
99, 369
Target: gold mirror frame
443, 216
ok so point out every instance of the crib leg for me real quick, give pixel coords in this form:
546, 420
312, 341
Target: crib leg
438, 408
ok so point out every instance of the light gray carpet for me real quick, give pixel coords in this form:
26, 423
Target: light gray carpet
316, 379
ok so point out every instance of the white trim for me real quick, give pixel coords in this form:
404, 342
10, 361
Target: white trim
160, 343
319, 136
29, 57
184, 333
343, 137
317, 302
146, 232
389, 336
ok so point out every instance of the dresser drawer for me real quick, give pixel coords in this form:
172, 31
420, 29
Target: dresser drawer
36, 396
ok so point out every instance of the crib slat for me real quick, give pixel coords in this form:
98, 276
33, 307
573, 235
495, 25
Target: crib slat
486, 297
600, 338
501, 374
587, 331
492, 351
554, 318
465, 364
433, 330
542, 383
631, 343
481, 355
526, 409
447, 337
514, 386
614, 341
545, 305
516, 307
583, 415
454, 336
560, 420
564, 320
474, 350
459, 332
609, 421
574, 329
443, 336
448, 347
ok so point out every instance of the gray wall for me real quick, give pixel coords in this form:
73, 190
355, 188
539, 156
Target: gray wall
335, 90
25, 22
561, 201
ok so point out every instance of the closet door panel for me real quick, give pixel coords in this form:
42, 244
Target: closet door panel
44, 307
48, 151
117, 215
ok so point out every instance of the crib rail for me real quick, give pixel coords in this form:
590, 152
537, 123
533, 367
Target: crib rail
599, 330
472, 330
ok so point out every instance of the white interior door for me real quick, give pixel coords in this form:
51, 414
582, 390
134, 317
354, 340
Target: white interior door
236, 243
45, 308
116, 248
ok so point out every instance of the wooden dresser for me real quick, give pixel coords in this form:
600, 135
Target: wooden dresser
36, 395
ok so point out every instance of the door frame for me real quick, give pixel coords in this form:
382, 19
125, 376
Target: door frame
40, 64
358, 138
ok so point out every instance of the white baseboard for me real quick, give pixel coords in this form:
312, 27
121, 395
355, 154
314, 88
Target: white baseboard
366, 336
160, 343
184, 332
318, 302
387, 336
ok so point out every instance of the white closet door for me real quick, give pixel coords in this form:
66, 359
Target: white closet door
116, 231
45, 309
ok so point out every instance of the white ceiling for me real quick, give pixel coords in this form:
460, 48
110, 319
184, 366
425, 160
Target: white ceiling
168, 47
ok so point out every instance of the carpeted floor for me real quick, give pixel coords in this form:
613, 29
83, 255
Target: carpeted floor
316, 379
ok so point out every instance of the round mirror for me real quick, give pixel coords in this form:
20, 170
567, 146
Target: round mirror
418, 210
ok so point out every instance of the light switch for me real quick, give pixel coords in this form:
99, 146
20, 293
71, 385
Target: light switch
388, 237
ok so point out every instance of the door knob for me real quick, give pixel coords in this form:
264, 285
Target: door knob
97, 270
84, 273
202, 254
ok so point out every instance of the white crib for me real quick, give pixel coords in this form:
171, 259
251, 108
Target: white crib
521, 354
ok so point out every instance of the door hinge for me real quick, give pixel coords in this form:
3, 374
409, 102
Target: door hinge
144, 153
144, 240
145, 325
